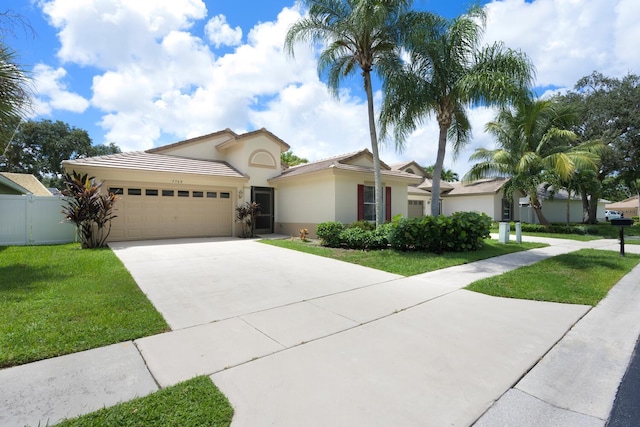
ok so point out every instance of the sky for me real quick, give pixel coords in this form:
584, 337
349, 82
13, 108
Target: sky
146, 73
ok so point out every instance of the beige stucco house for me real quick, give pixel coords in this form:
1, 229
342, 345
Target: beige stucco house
192, 188
629, 207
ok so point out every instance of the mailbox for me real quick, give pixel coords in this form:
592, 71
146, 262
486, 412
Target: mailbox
622, 222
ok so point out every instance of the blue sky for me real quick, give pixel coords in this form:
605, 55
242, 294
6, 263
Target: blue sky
146, 73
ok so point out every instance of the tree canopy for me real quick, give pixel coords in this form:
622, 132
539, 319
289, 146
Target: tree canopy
291, 159
40, 147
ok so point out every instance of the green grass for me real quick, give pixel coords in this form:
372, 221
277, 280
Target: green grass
196, 402
405, 263
582, 277
56, 300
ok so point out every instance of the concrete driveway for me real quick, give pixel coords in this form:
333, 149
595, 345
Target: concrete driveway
294, 339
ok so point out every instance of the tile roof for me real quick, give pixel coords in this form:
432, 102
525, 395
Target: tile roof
141, 160
630, 203
28, 182
341, 162
481, 186
427, 184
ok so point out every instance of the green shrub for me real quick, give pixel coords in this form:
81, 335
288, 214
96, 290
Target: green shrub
329, 233
635, 219
363, 225
380, 236
356, 238
461, 232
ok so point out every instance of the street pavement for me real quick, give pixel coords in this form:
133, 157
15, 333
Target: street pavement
293, 339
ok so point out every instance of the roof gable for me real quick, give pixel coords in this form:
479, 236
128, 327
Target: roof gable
239, 139
359, 161
216, 138
24, 183
411, 167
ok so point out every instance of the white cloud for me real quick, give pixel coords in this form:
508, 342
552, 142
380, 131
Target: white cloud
568, 39
221, 34
156, 80
106, 34
51, 92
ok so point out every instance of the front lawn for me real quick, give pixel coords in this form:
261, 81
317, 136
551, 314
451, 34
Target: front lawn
56, 300
404, 263
582, 277
193, 403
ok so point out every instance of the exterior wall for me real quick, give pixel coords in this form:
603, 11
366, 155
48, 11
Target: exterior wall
399, 197
304, 202
251, 156
33, 220
486, 203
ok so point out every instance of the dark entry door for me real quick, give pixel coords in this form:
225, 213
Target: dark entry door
264, 220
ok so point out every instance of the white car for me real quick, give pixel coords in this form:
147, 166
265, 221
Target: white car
609, 215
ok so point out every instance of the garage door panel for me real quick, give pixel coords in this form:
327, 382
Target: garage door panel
154, 213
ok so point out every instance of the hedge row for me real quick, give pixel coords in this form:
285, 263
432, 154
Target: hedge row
461, 232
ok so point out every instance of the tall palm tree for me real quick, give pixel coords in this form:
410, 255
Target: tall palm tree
446, 72
357, 35
534, 147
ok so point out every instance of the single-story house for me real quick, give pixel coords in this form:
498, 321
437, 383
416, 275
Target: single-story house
484, 195
21, 183
488, 196
628, 207
192, 188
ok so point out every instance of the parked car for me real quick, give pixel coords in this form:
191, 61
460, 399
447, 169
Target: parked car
609, 215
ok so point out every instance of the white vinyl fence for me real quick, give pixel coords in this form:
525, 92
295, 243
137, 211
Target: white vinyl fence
33, 220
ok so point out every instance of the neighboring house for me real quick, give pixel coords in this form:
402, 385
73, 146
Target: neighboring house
419, 195
628, 207
487, 195
191, 188
21, 183
484, 195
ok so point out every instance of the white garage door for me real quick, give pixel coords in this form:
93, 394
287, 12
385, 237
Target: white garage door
146, 212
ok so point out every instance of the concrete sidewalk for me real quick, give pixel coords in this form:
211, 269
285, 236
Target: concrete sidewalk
375, 349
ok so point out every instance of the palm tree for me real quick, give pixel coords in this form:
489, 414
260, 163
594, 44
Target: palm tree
534, 148
447, 174
14, 92
358, 35
446, 72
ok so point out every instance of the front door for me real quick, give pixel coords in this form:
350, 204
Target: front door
264, 220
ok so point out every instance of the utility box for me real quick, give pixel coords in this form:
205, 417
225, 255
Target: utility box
503, 232
518, 232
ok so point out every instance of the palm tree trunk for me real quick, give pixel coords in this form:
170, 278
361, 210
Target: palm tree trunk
537, 207
437, 171
568, 207
374, 148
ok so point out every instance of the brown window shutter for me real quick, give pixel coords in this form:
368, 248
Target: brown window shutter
387, 204
360, 202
